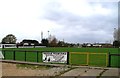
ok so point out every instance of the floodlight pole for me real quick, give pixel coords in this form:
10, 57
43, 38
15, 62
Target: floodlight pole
114, 33
48, 33
41, 35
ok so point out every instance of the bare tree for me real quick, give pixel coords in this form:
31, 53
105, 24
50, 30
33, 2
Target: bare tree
117, 34
53, 43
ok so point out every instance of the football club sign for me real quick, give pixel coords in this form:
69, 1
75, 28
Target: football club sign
54, 57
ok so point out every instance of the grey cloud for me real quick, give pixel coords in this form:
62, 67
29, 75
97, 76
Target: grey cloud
108, 5
93, 38
75, 23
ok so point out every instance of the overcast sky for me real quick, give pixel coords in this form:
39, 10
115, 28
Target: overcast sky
76, 21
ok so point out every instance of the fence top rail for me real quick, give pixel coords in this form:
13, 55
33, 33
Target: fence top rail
115, 54
87, 53
26, 51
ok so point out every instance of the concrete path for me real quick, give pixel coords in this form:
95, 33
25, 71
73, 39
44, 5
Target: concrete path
79, 70
75, 72
101, 73
83, 72
93, 72
112, 72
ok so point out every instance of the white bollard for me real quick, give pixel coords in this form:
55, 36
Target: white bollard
1, 57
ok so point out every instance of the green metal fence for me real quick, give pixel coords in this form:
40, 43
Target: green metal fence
80, 58
89, 59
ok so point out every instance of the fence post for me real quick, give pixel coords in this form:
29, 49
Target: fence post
88, 59
37, 56
109, 59
25, 55
4, 53
13, 55
68, 58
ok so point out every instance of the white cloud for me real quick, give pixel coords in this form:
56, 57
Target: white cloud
100, 10
83, 8
22, 17
26, 18
78, 7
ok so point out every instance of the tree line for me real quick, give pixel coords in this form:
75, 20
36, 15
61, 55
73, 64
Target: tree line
116, 42
11, 39
52, 41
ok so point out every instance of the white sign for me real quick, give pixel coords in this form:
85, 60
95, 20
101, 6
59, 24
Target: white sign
1, 55
54, 57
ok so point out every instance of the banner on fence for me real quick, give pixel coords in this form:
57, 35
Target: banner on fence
54, 57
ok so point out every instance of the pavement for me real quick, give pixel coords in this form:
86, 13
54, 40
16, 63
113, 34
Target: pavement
112, 72
81, 71
75, 72
94, 72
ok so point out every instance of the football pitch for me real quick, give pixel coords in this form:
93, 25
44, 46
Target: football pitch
77, 56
